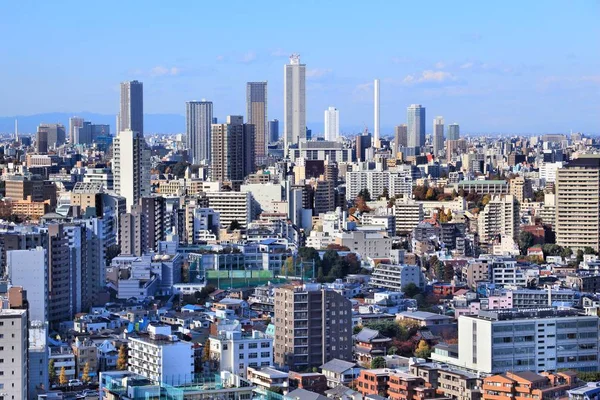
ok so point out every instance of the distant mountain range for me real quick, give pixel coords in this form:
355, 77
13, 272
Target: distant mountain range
160, 123
153, 123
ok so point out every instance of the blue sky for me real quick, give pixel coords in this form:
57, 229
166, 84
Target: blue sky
501, 66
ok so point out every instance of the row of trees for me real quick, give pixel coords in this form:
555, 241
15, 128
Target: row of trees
331, 267
62, 376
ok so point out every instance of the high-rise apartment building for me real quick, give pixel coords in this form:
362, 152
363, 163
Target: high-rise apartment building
332, 123
273, 130
232, 150
453, 131
521, 188
29, 269
199, 117
74, 124
155, 209
294, 101
256, 114
131, 112
60, 275
438, 135
363, 142
415, 116
577, 190
400, 137
133, 233
14, 368
131, 166
313, 325
500, 217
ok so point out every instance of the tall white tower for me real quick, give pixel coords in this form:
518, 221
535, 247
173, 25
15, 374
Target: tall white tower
332, 124
376, 114
294, 101
16, 130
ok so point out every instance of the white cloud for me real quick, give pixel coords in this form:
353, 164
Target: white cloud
430, 76
248, 57
279, 53
164, 71
467, 65
317, 72
440, 65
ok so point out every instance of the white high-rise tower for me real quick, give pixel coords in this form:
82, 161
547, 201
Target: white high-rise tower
332, 124
198, 118
294, 101
376, 113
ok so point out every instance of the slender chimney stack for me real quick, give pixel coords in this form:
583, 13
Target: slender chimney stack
376, 114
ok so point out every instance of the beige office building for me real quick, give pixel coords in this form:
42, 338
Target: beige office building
578, 204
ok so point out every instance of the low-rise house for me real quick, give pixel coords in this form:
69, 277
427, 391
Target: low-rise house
340, 372
368, 344
268, 378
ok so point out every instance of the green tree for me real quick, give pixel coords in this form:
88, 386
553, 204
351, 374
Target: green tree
206, 351
566, 252
85, 376
378, 362
392, 350
235, 225
364, 194
203, 295
62, 378
525, 240
423, 350
385, 194
579, 256
411, 290
588, 250
179, 169
51, 371
122, 358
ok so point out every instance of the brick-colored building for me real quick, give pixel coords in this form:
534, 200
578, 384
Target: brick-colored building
373, 381
527, 385
403, 386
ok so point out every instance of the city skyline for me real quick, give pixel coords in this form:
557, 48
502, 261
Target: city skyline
461, 80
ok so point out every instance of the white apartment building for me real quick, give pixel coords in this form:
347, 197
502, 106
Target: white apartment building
506, 272
28, 269
232, 206
548, 171
408, 214
367, 244
543, 339
395, 277
131, 164
396, 182
14, 360
265, 194
500, 217
236, 350
161, 357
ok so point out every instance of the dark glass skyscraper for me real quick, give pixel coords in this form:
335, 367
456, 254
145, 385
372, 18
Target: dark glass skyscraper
131, 113
256, 114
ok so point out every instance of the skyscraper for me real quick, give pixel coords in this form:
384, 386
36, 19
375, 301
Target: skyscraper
256, 114
438, 135
294, 101
453, 131
14, 378
131, 113
332, 123
53, 134
74, 124
416, 125
400, 137
232, 150
199, 116
376, 113
131, 166
273, 130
